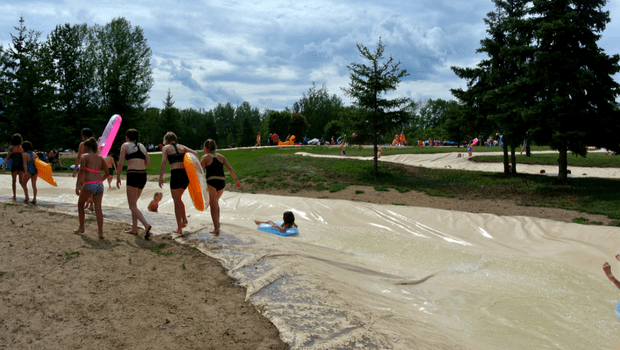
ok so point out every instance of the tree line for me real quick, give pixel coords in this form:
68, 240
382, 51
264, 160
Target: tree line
79, 76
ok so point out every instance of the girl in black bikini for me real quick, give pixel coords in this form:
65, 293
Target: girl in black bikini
90, 183
214, 168
17, 164
174, 153
137, 160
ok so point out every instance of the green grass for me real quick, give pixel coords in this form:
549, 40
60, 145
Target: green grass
600, 160
259, 170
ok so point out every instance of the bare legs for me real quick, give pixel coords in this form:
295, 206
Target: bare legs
84, 194
24, 183
179, 209
214, 203
15, 175
133, 193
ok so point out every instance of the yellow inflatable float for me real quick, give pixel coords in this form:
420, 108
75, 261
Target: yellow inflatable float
44, 170
291, 141
197, 187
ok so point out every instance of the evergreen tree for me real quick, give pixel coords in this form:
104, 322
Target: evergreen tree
572, 79
27, 96
497, 93
368, 87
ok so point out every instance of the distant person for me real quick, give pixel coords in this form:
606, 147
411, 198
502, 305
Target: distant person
403, 140
342, 146
469, 148
109, 161
31, 173
305, 140
288, 219
174, 153
14, 161
154, 205
90, 183
275, 139
526, 145
214, 164
257, 140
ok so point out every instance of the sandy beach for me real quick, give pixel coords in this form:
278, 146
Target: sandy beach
62, 290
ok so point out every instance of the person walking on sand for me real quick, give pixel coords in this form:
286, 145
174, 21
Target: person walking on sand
109, 161
137, 160
214, 164
174, 153
28, 157
15, 162
90, 183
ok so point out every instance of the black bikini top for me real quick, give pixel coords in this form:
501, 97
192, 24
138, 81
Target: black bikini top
137, 154
177, 157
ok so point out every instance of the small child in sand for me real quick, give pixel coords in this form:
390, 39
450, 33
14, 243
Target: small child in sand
289, 222
154, 205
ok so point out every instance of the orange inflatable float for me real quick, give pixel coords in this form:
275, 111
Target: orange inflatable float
44, 170
197, 187
291, 141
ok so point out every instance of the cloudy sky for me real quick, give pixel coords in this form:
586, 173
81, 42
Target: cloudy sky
269, 52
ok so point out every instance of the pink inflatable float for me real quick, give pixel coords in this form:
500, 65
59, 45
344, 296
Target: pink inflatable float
107, 138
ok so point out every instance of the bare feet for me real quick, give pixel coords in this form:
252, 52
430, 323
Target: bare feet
148, 233
79, 230
215, 232
101, 237
178, 231
14, 198
34, 201
257, 222
131, 232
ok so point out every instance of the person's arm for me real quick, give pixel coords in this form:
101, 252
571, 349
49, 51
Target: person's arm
187, 149
104, 167
8, 156
232, 172
121, 164
279, 228
80, 178
147, 159
164, 159
78, 158
611, 277
25, 159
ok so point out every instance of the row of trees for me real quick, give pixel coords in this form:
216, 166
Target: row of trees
79, 76
544, 75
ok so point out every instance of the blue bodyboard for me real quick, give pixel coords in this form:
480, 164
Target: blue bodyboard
267, 228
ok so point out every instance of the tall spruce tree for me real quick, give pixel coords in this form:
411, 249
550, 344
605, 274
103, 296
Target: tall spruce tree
572, 79
368, 87
497, 93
